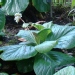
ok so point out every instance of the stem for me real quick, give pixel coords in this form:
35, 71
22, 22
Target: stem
22, 20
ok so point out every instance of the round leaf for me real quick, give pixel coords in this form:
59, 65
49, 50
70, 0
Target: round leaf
41, 6
45, 46
65, 36
70, 70
45, 64
14, 6
17, 52
28, 35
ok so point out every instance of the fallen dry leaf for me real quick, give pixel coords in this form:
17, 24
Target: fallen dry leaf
22, 39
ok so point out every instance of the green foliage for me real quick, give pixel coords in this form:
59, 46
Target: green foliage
65, 36
25, 65
38, 26
2, 2
70, 70
48, 24
17, 52
45, 46
73, 4
43, 32
28, 35
34, 36
2, 21
2, 33
14, 6
37, 52
41, 5
45, 63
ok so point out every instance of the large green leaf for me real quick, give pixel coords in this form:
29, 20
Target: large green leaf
65, 36
2, 19
34, 36
48, 24
28, 35
45, 46
42, 35
45, 64
38, 26
41, 5
14, 6
25, 65
70, 70
17, 52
